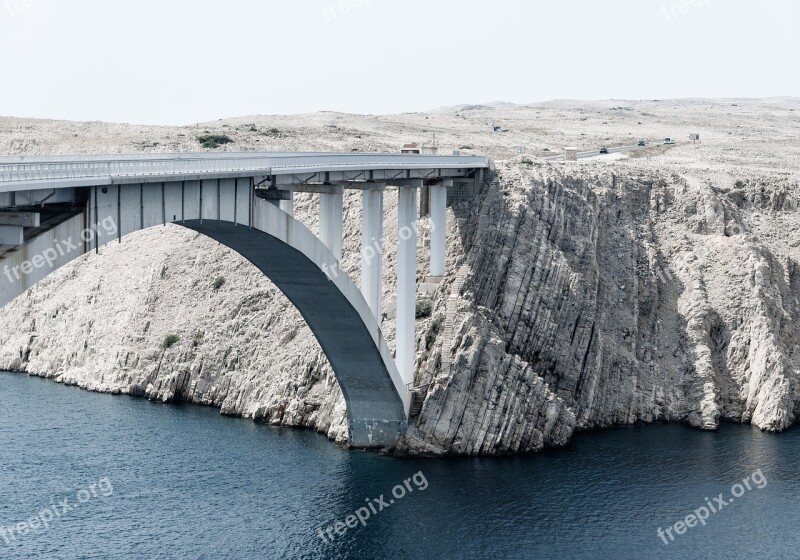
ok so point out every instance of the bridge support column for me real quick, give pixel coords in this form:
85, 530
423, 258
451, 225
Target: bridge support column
288, 204
372, 249
281, 199
330, 222
439, 227
407, 282
12, 235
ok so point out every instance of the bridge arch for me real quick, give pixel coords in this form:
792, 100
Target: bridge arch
293, 258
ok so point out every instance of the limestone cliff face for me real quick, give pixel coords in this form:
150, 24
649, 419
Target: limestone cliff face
570, 303
632, 299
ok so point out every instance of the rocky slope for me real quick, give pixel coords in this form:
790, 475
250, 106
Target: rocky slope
578, 296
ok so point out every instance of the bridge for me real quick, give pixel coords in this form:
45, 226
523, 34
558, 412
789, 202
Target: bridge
56, 208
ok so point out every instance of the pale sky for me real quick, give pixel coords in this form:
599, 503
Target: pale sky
180, 61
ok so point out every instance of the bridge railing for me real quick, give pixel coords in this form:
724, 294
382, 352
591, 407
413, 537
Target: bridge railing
182, 164
41, 171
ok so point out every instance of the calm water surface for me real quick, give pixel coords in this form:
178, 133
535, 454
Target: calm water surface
165, 481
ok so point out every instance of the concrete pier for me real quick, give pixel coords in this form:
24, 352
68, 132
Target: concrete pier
330, 222
372, 249
288, 204
407, 281
438, 228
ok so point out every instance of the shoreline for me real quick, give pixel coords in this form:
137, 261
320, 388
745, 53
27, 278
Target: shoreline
391, 452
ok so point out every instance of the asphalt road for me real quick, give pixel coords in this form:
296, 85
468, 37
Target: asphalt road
596, 153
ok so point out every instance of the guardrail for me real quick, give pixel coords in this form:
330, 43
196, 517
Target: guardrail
78, 167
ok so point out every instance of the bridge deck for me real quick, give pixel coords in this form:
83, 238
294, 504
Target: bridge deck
31, 172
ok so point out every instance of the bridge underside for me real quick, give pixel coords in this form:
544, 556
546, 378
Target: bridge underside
375, 412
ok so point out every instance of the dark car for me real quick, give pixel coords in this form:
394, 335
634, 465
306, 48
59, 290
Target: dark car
642, 143
603, 150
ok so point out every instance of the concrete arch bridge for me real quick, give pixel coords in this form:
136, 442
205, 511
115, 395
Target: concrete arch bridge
53, 209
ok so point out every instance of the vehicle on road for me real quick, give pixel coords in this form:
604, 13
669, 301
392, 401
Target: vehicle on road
603, 150
668, 141
641, 142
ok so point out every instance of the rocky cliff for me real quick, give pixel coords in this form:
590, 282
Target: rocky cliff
576, 298
633, 298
